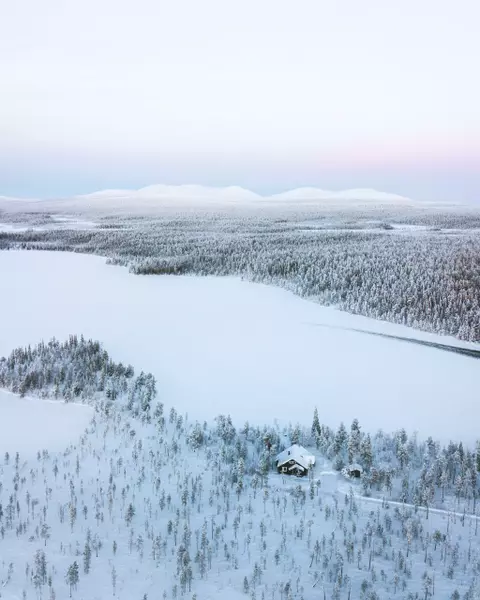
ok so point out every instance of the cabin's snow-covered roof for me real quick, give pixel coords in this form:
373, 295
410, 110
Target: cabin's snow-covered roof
298, 454
355, 467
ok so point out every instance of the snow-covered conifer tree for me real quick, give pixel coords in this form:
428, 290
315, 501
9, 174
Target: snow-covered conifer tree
354, 441
72, 576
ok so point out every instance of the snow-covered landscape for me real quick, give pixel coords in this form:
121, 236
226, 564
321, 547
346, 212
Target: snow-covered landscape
239, 300
114, 489
236, 325
148, 503
253, 351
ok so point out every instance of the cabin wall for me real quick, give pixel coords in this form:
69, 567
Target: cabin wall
288, 468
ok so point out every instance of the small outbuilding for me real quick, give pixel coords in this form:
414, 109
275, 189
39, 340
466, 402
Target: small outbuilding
353, 471
295, 460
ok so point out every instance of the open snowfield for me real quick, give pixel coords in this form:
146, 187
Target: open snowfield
29, 425
227, 346
57, 222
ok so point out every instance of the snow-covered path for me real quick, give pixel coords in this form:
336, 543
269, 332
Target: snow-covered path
464, 349
436, 511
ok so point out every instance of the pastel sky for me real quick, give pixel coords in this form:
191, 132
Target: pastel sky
266, 94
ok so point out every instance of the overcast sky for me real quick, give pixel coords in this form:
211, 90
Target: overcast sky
266, 94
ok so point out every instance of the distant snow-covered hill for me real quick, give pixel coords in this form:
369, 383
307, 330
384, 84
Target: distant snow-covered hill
312, 193
198, 191
154, 198
239, 194
177, 192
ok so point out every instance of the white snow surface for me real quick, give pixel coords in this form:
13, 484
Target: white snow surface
221, 345
298, 453
57, 222
28, 425
12, 228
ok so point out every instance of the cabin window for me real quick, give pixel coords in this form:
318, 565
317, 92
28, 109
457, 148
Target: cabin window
284, 469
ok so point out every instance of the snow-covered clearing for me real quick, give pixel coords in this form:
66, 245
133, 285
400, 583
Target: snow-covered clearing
57, 222
11, 228
29, 425
226, 346
72, 222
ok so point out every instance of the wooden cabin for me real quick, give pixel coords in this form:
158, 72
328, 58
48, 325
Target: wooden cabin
295, 460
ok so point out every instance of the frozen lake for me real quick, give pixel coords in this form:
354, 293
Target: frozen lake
220, 345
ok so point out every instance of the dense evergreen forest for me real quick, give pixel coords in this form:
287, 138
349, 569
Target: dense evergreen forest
77, 370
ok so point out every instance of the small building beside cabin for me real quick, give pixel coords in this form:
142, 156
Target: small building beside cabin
353, 471
295, 460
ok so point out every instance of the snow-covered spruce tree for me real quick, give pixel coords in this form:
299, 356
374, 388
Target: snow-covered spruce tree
366, 453
196, 436
316, 433
339, 447
354, 441
87, 556
72, 577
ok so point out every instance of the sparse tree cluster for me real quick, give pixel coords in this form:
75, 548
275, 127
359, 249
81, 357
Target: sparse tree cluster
402, 467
